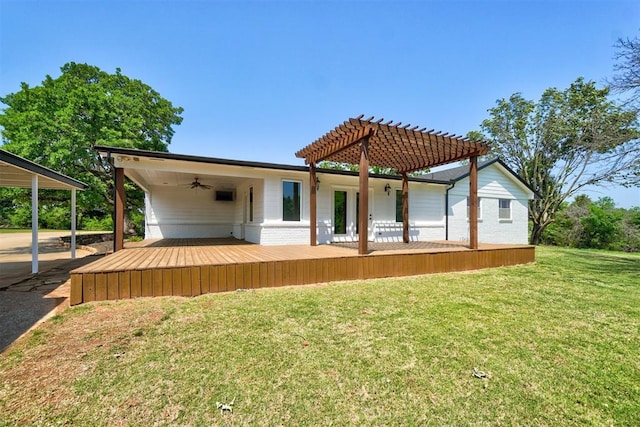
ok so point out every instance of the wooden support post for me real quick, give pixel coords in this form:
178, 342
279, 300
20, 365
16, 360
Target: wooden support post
405, 208
118, 221
313, 213
363, 226
473, 202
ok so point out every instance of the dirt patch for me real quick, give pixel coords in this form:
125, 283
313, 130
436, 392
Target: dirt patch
42, 369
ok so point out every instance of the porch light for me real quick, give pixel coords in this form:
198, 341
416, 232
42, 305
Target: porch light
387, 189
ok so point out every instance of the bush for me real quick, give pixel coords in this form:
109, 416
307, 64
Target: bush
97, 224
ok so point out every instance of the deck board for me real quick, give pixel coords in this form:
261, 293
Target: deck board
190, 267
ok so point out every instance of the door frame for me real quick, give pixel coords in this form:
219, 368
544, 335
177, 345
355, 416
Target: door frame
352, 219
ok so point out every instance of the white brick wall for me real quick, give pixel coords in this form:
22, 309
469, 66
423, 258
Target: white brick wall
493, 184
173, 212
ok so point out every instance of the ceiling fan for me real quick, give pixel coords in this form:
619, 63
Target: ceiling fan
198, 184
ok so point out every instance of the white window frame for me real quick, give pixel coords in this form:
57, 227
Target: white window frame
395, 204
282, 200
251, 203
500, 210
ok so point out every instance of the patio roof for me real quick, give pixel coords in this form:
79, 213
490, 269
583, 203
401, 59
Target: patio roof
403, 148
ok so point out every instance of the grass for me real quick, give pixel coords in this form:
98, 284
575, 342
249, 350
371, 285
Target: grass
558, 340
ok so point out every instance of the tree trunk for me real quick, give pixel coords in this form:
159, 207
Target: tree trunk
536, 232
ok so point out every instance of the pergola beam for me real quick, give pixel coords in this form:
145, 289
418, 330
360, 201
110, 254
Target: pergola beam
341, 142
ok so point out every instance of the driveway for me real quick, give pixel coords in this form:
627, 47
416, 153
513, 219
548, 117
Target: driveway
15, 255
27, 299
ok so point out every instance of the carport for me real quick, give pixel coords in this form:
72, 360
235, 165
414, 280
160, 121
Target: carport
18, 172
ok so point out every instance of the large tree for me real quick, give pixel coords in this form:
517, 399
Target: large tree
58, 122
567, 140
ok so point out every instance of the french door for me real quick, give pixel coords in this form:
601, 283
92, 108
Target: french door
346, 209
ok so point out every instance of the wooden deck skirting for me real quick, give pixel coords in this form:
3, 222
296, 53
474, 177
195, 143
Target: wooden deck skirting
192, 271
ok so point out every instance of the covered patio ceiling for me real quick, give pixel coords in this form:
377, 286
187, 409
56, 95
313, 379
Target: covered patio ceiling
404, 148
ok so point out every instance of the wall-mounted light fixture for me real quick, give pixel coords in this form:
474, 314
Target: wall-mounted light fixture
387, 189
317, 184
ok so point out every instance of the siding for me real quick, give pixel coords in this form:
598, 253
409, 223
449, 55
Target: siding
179, 212
493, 184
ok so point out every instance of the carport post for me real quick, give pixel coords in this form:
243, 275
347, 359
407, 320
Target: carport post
34, 224
73, 223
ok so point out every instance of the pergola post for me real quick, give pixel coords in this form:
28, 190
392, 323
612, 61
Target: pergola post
473, 202
313, 212
34, 224
363, 226
405, 208
118, 221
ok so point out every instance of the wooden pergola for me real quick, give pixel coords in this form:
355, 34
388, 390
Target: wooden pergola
366, 142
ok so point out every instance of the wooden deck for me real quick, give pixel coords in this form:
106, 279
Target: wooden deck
190, 267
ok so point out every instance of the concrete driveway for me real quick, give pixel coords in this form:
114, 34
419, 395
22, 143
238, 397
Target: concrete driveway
15, 255
27, 299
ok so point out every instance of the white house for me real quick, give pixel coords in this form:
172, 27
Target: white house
265, 203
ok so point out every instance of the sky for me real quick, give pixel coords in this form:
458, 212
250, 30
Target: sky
260, 80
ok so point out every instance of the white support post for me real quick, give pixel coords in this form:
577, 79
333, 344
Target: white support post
34, 224
73, 223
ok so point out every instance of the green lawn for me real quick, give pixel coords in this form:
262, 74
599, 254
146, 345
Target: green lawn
559, 342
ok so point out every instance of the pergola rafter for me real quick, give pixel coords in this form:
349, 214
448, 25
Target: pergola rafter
404, 148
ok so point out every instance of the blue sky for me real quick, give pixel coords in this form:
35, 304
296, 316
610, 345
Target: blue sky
260, 80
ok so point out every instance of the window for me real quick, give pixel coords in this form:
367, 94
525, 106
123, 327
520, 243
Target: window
340, 212
479, 206
250, 204
398, 205
290, 201
504, 209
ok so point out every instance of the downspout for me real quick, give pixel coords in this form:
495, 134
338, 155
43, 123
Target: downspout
446, 211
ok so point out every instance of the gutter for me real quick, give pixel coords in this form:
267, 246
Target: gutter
446, 210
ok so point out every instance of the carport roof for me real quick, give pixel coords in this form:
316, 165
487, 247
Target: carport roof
17, 172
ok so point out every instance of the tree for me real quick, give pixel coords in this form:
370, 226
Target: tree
566, 141
58, 123
627, 79
377, 170
602, 225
